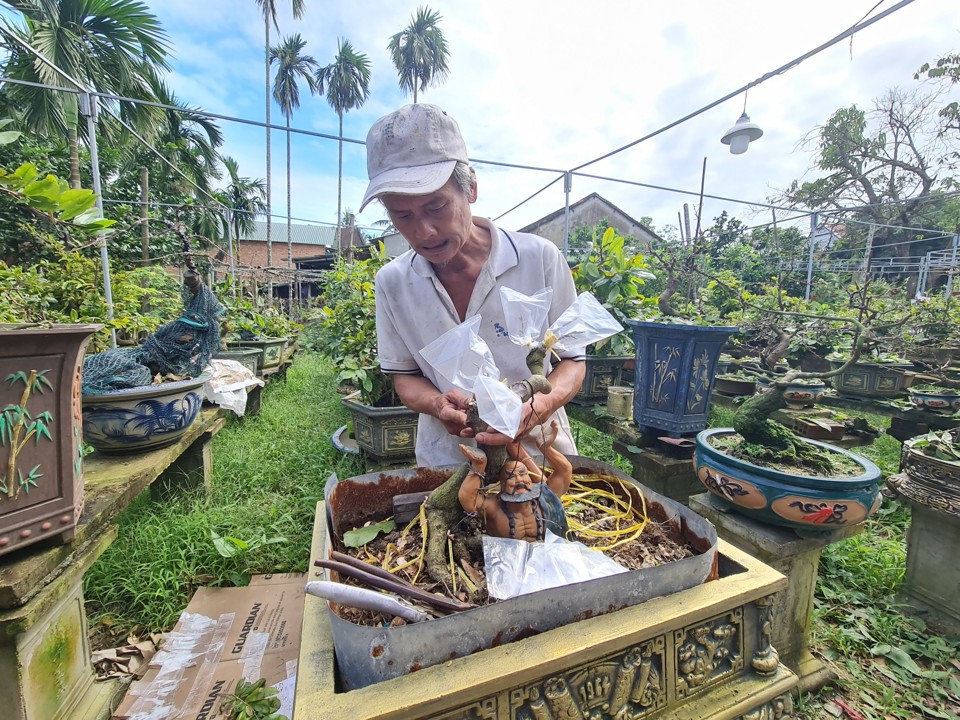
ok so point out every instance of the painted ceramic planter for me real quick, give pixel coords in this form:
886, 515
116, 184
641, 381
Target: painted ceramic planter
250, 358
805, 503
872, 380
41, 460
804, 394
944, 401
141, 418
674, 376
600, 374
385, 434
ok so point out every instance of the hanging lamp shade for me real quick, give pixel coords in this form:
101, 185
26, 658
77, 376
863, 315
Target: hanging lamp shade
741, 135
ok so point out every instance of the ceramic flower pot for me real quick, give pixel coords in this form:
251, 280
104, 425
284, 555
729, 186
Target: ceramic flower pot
804, 394
727, 385
944, 401
674, 374
601, 373
811, 504
871, 380
41, 463
141, 418
250, 358
272, 349
386, 435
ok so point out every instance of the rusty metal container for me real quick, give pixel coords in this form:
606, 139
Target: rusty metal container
367, 655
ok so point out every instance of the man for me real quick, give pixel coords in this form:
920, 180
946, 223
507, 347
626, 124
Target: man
418, 168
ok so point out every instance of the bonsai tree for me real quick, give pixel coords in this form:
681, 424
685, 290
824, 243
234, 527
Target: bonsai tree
344, 329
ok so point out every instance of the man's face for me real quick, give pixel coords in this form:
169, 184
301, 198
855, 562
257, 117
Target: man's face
436, 225
514, 479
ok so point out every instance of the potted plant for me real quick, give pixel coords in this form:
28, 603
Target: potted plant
935, 398
930, 481
876, 374
614, 273
345, 331
264, 329
766, 471
735, 384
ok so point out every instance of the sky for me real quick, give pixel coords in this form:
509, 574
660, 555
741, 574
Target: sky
556, 84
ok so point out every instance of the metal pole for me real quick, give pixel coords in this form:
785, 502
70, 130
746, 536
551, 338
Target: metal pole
813, 235
233, 269
567, 186
953, 266
88, 107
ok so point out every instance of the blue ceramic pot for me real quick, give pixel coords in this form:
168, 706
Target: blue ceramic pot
141, 418
674, 374
946, 402
806, 503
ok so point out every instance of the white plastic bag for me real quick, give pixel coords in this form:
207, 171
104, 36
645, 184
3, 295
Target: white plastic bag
586, 321
228, 384
461, 355
526, 315
498, 405
518, 567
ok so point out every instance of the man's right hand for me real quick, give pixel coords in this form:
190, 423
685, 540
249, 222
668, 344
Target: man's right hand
451, 409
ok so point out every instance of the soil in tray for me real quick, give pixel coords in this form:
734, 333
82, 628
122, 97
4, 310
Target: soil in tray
655, 545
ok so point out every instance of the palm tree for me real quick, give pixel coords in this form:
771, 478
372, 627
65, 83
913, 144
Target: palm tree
109, 46
347, 83
246, 199
292, 65
420, 53
269, 9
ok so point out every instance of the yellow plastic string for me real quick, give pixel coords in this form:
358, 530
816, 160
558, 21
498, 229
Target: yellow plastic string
629, 523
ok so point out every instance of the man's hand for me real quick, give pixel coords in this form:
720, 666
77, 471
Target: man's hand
529, 419
450, 408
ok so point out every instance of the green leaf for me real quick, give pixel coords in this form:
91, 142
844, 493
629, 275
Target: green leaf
361, 536
898, 656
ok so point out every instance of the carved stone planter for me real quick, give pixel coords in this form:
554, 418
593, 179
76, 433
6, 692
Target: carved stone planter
701, 652
932, 487
41, 467
250, 358
272, 349
385, 435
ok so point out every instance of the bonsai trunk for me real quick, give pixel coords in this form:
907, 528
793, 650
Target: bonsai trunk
767, 441
442, 508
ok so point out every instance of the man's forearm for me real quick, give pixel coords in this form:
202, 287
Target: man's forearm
417, 393
565, 381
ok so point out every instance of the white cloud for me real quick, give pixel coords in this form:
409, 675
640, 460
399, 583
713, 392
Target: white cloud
557, 84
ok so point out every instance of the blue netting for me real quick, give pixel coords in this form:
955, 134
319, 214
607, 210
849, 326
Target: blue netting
182, 347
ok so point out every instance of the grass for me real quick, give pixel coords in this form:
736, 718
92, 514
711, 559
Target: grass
269, 473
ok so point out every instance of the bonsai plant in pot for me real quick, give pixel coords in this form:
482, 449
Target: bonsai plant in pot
345, 331
141, 398
930, 482
254, 327
615, 274
766, 471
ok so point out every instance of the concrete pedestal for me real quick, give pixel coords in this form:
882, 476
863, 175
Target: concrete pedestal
667, 473
46, 671
796, 557
931, 585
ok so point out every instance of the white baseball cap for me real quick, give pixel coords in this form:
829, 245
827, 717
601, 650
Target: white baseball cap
412, 151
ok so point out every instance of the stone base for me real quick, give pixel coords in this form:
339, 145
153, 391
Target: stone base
700, 653
796, 557
45, 670
662, 471
932, 582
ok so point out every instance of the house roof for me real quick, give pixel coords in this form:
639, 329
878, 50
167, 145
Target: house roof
300, 233
574, 206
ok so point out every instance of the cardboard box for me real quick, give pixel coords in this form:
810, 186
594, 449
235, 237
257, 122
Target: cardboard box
224, 634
